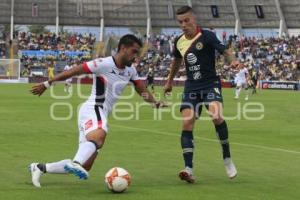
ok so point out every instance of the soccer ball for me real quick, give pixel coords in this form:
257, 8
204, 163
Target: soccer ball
117, 179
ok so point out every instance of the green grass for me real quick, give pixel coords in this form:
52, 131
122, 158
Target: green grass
266, 152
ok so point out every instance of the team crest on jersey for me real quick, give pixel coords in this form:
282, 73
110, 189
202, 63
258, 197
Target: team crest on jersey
191, 58
199, 46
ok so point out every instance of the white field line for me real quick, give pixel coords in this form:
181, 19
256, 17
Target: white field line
211, 140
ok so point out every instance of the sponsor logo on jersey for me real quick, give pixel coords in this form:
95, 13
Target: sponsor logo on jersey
197, 75
194, 68
191, 58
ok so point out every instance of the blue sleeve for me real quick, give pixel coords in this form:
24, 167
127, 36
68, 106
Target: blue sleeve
216, 43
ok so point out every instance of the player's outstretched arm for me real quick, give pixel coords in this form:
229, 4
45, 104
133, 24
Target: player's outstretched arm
147, 96
40, 88
175, 65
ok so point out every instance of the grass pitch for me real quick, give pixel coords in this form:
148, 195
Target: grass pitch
266, 152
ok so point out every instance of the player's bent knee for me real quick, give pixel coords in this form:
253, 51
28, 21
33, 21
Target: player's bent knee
216, 117
97, 137
218, 120
188, 118
188, 125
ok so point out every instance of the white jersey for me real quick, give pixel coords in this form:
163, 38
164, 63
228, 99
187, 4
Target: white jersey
67, 67
108, 82
241, 75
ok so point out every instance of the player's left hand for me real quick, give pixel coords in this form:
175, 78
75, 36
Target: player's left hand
160, 104
38, 89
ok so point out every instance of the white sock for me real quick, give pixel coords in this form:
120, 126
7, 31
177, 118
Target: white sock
84, 152
237, 92
57, 167
247, 93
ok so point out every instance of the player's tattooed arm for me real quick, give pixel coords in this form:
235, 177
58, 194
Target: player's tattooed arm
40, 88
147, 96
75, 71
175, 65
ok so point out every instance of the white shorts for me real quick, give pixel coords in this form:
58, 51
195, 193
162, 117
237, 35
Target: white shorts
69, 81
241, 83
90, 118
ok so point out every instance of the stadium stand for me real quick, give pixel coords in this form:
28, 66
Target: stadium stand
276, 58
37, 50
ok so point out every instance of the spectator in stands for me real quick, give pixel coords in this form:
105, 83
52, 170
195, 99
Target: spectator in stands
25, 72
2, 49
224, 36
64, 47
275, 58
51, 68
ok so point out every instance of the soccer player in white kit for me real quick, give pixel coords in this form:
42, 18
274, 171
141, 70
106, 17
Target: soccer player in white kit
110, 77
241, 82
68, 82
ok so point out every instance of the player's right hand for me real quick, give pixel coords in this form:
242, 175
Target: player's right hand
167, 88
38, 89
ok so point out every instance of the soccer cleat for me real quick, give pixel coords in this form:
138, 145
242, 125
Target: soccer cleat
236, 97
35, 174
230, 168
187, 175
246, 98
77, 170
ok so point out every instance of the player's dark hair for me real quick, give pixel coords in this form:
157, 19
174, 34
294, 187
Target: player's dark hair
128, 40
183, 10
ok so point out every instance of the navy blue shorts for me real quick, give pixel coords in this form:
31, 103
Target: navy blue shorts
150, 80
195, 100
